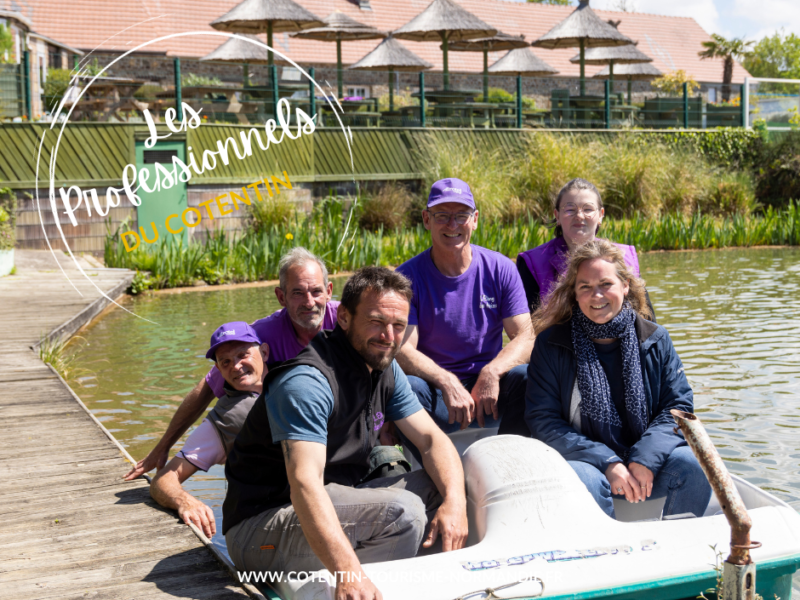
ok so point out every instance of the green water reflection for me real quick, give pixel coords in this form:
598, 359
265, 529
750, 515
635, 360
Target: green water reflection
734, 316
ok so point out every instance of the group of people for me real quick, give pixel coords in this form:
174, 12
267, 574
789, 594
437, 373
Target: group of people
313, 398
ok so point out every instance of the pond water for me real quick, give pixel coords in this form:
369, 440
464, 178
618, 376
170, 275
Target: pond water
734, 316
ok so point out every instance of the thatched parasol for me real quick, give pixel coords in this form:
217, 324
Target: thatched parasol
446, 21
391, 55
582, 29
618, 55
500, 41
272, 16
338, 27
237, 50
522, 62
633, 72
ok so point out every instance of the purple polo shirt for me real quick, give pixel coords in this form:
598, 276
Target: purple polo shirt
277, 331
460, 319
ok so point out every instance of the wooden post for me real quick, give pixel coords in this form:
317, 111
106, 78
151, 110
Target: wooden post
485, 71
446, 72
391, 90
630, 86
607, 111
422, 99
273, 75
519, 101
312, 98
339, 66
178, 97
685, 105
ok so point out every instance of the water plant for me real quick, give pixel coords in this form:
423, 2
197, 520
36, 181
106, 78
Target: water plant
53, 352
253, 256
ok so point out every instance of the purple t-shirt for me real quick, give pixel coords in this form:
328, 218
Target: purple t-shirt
460, 319
277, 331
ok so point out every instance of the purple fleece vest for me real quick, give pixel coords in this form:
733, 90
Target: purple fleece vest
548, 261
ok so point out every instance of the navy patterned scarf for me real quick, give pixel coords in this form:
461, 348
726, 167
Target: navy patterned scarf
599, 418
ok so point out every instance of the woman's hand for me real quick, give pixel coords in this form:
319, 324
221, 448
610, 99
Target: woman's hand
623, 482
644, 476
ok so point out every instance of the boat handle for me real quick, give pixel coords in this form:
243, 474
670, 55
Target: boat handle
490, 592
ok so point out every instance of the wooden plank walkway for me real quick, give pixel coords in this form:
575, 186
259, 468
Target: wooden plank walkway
69, 526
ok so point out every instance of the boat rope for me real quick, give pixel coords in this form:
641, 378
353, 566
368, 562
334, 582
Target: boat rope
490, 592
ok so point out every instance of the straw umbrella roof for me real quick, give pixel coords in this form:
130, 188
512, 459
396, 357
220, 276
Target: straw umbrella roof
444, 17
524, 62
252, 16
619, 55
239, 51
499, 41
339, 25
391, 54
633, 72
582, 24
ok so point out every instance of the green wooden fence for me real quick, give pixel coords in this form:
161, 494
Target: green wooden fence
95, 154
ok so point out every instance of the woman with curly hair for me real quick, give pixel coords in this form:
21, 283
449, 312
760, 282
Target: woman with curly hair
601, 383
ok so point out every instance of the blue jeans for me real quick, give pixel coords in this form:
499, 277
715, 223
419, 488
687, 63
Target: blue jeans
510, 404
681, 480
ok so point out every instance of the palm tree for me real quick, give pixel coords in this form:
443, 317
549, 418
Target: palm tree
728, 51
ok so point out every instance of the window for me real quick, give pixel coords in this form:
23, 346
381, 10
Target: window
362, 92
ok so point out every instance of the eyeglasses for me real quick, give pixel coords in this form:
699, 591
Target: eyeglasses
443, 218
588, 211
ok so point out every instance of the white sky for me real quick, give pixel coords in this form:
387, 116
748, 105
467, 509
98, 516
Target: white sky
752, 19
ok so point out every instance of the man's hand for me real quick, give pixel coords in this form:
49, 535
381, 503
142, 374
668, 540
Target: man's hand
451, 521
485, 393
355, 586
460, 405
191, 510
644, 476
622, 479
155, 460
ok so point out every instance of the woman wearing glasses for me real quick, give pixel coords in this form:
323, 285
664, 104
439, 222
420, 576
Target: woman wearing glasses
578, 213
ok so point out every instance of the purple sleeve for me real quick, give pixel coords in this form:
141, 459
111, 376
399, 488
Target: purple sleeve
413, 318
515, 302
215, 381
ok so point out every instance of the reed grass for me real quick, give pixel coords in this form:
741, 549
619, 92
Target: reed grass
254, 256
54, 352
651, 179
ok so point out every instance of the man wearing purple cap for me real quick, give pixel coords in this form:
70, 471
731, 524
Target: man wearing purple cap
464, 297
305, 294
241, 360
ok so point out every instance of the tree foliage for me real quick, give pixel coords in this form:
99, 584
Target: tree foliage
775, 56
672, 82
6, 45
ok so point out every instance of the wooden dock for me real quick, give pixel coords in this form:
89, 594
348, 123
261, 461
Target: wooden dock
69, 526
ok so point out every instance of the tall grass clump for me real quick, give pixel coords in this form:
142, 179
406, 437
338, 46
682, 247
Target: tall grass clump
54, 352
388, 208
274, 211
490, 173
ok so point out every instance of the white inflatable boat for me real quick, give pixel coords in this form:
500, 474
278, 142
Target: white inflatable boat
536, 532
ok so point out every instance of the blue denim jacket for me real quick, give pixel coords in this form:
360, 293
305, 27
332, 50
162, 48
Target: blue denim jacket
551, 376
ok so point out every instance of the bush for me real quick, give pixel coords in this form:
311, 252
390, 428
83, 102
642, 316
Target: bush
272, 212
8, 219
777, 170
389, 208
729, 147
500, 95
55, 87
192, 79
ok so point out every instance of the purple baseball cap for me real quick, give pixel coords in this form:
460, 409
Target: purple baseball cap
236, 331
451, 190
